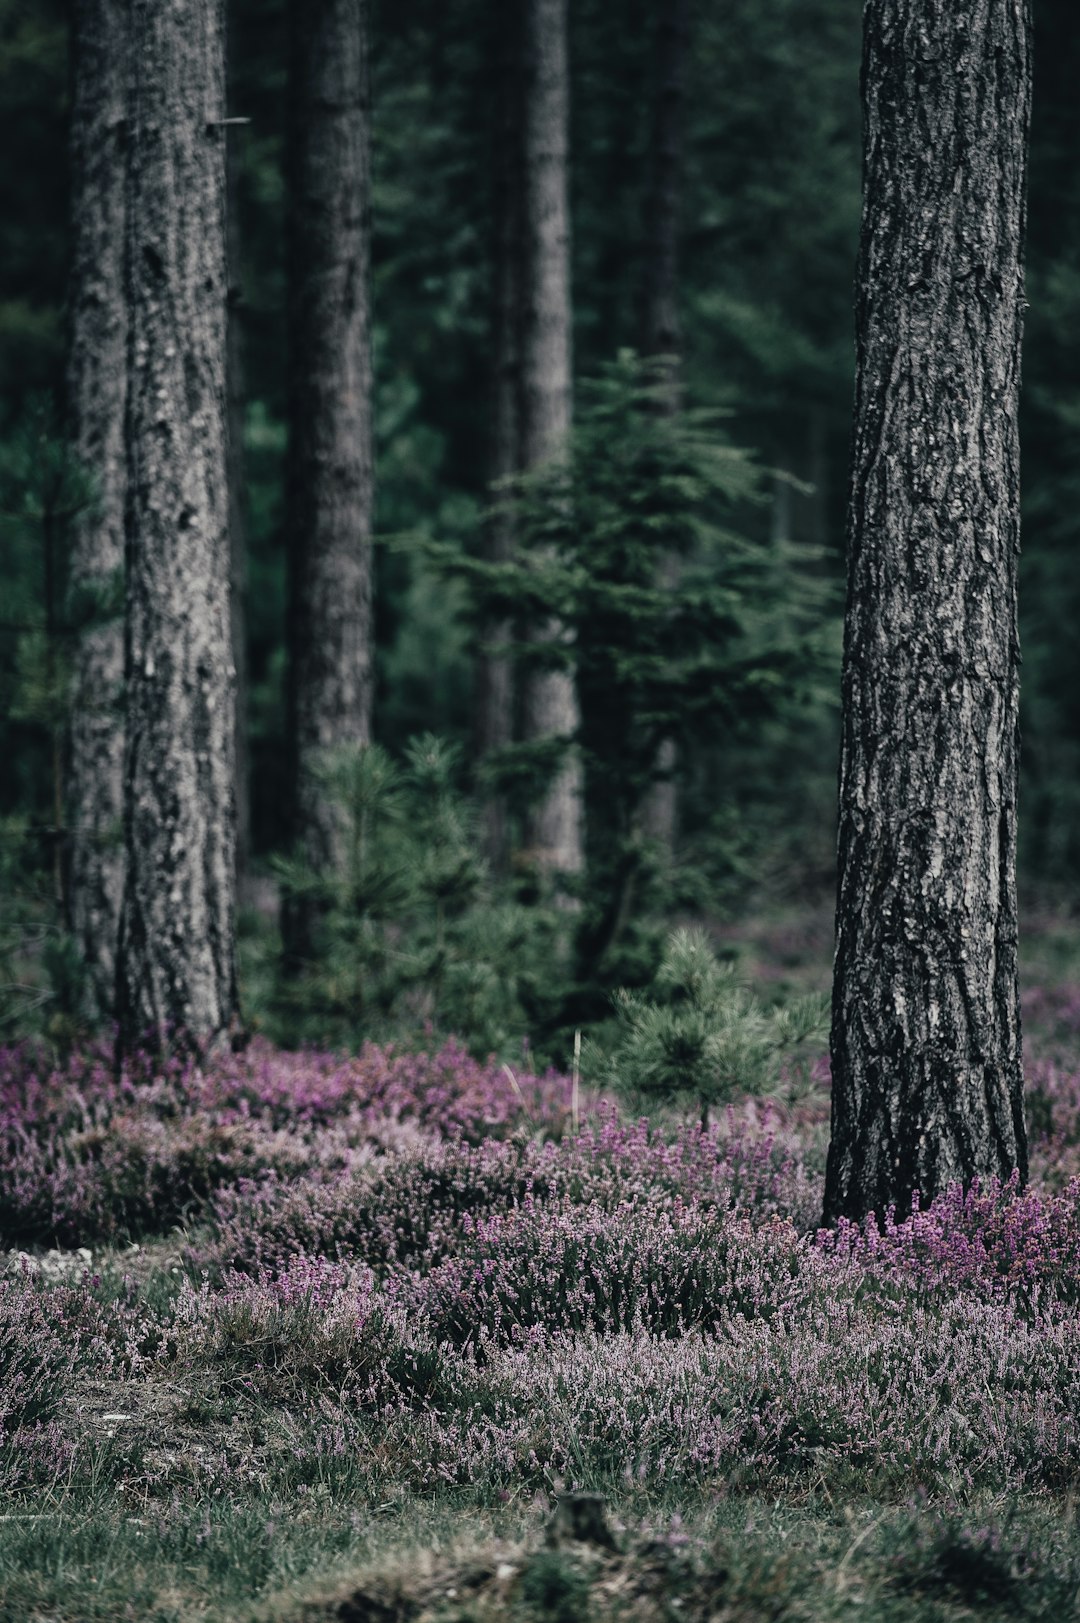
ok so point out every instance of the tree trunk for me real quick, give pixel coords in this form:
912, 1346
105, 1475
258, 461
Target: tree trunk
96, 387
494, 674
330, 452
176, 975
554, 832
662, 335
238, 510
927, 1082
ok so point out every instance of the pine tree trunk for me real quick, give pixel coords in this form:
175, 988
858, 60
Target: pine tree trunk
237, 472
96, 386
554, 832
494, 673
330, 451
927, 1081
176, 977
662, 334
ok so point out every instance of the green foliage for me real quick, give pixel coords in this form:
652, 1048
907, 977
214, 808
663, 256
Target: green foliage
554, 1589
698, 1033
411, 931
676, 622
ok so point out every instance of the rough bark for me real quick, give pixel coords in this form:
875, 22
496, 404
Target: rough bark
494, 671
662, 335
549, 709
176, 978
330, 454
927, 1082
237, 475
96, 387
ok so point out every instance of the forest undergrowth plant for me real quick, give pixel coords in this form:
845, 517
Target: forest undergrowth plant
412, 932
697, 1032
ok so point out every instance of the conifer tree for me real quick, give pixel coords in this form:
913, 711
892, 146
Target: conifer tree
927, 1080
176, 970
96, 387
330, 482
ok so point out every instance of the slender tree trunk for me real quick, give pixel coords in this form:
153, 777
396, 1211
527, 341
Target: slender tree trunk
238, 510
554, 832
927, 1082
494, 675
330, 474
662, 334
176, 975
96, 386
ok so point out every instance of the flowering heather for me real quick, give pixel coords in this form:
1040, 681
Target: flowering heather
407, 1210
86, 1155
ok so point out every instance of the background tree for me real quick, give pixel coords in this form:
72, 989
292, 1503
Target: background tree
330, 487
495, 682
661, 328
96, 388
554, 835
927, 1079
176, 972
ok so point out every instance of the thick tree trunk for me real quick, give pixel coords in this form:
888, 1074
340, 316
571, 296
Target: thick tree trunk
662, 333
927, 1082
330, 472
96, 386
176, 976
554, 833
494, 673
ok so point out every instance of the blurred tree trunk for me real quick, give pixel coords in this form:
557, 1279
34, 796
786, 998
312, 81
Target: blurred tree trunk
494, 677
330, 491
662, 335
238, 512
96, 386
176, 971
927, 1081
549, 707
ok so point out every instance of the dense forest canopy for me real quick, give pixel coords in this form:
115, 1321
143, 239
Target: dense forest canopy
768, 222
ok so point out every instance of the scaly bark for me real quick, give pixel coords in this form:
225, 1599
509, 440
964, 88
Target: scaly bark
927, 1082
238, 509
176, 974
554, 833
96, 387
330, 455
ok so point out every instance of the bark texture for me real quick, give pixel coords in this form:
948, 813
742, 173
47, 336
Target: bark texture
238, 508
661, 329
494, 672
927, 1082
96, 388
330, 471
549, 709
176, 978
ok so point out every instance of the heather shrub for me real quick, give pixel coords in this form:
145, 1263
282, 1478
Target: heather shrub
587, 1268
993, 1238
312, 1330
407, 1211
879, 1392
46, 1333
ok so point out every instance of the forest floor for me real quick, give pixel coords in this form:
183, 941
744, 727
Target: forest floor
357, 1340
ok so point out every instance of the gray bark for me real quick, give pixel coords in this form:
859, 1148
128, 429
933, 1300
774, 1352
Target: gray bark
927, 1082
237, 474
96, 387
176, 977
330, 474
494, 674
549, 709
662, 332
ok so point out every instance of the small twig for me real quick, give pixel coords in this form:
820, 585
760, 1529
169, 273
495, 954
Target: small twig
517, 1090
